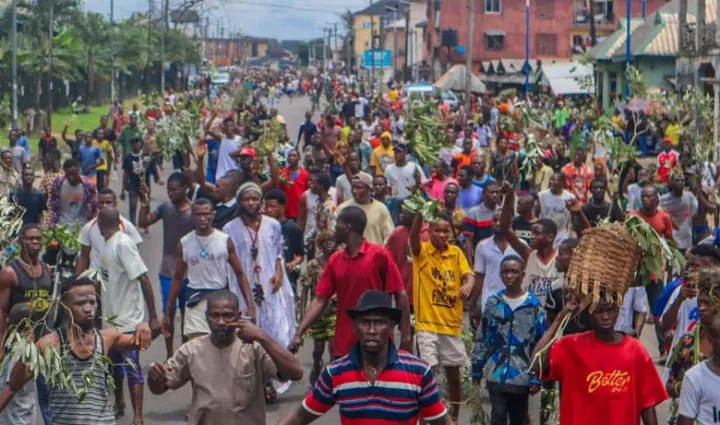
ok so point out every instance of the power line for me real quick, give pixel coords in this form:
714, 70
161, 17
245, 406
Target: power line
285, 6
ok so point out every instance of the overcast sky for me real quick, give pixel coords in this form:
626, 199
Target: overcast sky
281, 19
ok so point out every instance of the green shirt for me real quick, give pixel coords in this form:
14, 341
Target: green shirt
128, 133
560, 117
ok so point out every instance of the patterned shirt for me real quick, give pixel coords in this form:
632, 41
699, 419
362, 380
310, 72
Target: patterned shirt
577, 181
89, 199
403, 390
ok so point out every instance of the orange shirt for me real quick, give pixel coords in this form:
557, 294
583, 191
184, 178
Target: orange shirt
462, 159
577, 181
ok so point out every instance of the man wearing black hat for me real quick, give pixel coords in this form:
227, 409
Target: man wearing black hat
408, 387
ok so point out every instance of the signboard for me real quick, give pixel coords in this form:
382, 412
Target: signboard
383, 59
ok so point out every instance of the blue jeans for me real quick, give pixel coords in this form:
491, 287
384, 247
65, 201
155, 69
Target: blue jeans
43, 399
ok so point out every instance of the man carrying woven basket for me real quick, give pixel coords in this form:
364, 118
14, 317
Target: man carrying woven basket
606, 377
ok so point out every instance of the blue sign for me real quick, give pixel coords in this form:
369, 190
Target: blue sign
383, 59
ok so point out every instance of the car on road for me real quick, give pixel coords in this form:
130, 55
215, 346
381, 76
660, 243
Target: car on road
221, 79
419, 92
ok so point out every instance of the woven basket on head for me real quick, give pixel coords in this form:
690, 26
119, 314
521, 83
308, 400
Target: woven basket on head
603, 264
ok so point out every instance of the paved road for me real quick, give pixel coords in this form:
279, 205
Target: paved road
171, 408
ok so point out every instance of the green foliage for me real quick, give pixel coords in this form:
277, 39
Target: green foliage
425, 132
417, 204
656, 250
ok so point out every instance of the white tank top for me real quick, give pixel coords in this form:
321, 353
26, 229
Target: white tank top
312, 203
542, 278
552, 206
207, 260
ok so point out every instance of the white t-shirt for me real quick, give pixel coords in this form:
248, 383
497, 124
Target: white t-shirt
225, 161
488, 257
399, 178
700, 395
635, 301
542, 277
553, 206
122, 297
207, 260
90, 236
514, 303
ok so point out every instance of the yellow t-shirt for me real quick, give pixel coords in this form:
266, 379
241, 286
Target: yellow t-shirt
672, 131
381, 158
106, 149
393, 94
345, 133
437, 278
543, 176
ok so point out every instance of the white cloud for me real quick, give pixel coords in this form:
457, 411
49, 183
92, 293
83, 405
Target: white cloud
295, 19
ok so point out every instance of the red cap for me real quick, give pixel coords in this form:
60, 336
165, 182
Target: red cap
248, 152
667, 139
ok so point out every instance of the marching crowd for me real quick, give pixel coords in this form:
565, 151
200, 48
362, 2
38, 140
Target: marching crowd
262, 251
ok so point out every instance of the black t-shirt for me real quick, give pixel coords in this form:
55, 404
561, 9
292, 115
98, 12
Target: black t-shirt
135, 166
33, 202
199, 192
554, 305
522, 228
294, 244
597, 213
47, 145
224, 214
74, 146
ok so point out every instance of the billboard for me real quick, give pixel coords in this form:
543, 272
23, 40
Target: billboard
383, 59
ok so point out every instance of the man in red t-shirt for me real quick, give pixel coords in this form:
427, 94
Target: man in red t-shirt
667, 160
360, 267
293, 180
663, 225
606, 377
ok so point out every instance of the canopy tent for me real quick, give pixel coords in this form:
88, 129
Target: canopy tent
454, 80
563, 78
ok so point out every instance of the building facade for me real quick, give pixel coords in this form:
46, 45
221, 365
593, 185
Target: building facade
559, 29
235, 51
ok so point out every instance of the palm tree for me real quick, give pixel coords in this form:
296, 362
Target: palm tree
95, 33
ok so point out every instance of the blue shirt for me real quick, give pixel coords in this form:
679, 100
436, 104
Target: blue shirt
481, 183
89, 155
23, 141
470, 197
213, 151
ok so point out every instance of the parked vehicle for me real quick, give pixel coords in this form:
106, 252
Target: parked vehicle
425, 91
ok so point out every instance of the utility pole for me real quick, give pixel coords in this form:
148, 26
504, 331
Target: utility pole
372, 49
14, 65
51, 15
527, 47
336, 41
408, 64
165, 6
469, 55
112, 56
395, 44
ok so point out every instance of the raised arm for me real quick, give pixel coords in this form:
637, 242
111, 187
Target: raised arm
506, 220
415, 243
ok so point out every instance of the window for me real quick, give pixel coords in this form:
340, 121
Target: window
493, 6
544, 9
546, 44
494, 41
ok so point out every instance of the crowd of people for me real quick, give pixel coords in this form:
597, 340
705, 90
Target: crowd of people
318, 240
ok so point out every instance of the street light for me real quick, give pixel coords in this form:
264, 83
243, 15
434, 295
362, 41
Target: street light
527, 48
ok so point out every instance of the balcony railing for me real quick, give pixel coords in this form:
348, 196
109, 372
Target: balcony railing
603, 21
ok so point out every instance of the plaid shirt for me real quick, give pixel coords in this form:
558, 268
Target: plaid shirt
89, 199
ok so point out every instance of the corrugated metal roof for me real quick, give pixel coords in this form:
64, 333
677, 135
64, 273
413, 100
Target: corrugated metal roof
563, 77
607, 49
665, 41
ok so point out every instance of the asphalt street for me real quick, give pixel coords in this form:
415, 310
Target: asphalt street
172, 407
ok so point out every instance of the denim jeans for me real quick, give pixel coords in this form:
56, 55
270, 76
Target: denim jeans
508, 407
133, 198
43, 399
654, 289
